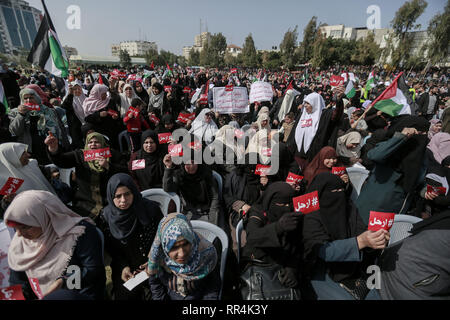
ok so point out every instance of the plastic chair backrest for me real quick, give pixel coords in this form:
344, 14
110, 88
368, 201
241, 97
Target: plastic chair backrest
210, 231
239, 229
163, 198
357, 177
218, 178
245, 127
401, 228
123, 135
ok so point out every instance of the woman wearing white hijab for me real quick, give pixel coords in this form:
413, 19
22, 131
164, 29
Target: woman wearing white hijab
15, 162
73, 104
204, 126
49, 238
125, 99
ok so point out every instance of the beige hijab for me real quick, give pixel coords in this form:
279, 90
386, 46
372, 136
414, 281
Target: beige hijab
341, 147
47, 257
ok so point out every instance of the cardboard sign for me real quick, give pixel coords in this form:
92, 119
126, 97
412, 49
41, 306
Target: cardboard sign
306, 123
307, 203
12, 293
339, 171
112, 113
132, 77
138, 164
134, 111
185, 117
195, 145
438, 190
164, 137
186, 90
238, 133
91, 155
294, 178
176, 150
229, 87
34, 283
380, 220
260, 91
233, 70
168, 89
203, 99
336, 81
32, 107
11, 186
262, 170
153, 118
226, 102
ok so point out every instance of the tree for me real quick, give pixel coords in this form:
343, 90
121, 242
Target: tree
151, 56
249, 55
287, 48
439, 32
194, 57
367, 51
205, 59
217, 47
125, 59
271, 60
231, 61
400, 47
309, 36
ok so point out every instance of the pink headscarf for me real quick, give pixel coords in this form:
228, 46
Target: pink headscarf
41, 93
94, 102
432, 130
440, 146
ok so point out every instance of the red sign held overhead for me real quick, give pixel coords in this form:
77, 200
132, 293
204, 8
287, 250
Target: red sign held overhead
164, 137
293, 178
307, 203
233, 70
195, 145
134, 111
229, 87
153, 118
185, 117
336, 81
176, 150
186, 90
339, 171
380, 220
167, 88
91, 155
11, 186
262, 170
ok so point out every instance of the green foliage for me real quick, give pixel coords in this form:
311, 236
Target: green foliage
439, 31
194, 58
125, 59
249, 55
288, 47
367, 51
271, 60
309, 36
151, 56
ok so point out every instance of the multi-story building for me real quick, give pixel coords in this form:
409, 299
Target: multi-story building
234, 50
199, 42
19, 23
70, 51
134, 48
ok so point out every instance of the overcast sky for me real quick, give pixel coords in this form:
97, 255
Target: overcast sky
173, 24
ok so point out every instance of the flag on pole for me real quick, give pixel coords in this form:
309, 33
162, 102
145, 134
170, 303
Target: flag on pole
350, 90
395, 100
47, 52
152, 66
3, 97
370, 82
169, 71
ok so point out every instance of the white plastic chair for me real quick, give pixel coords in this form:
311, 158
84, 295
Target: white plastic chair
401, 228
245, 127
357, 177
210, 231
163, 198
218, 178
239, 229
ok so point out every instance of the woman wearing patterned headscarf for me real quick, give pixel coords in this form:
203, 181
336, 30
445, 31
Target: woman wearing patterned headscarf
182, 265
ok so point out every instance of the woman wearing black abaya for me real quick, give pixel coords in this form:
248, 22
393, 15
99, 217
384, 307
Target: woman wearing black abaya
129, 223
274, 234
334, 239
152, 174
141, 92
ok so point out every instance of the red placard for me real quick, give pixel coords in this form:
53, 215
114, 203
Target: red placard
112, 113
34, 283
238, 133
336, 81
229, 87
12, 293
132, 77
306, 123
195, 145
262, 170
186, 90
191, 116
307, 203
138, 164
438, 190
339, 171
134, 111
32, 107
233, 70
11, 186
167, 88
294, 178
90, 155
184, 117
153, 118
267, 152
203, 99
164, 137
176, 150
380, 220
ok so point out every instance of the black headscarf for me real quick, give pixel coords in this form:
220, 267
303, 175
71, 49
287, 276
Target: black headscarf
408, 159
152, 174
278, 192
440, 221
122, 223
252, 185
143, 95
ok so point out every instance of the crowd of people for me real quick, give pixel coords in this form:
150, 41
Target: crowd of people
100, 221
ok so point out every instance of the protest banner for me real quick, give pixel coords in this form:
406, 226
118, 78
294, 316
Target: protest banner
91, 155
260, 91
226, 102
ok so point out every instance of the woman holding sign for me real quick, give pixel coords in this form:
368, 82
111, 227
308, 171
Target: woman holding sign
336, 245
92, 171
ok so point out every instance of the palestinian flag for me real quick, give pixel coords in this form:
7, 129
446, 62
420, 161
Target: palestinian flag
395, 100
169, 71
350, 90
3, 97
370, 82
47, 51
